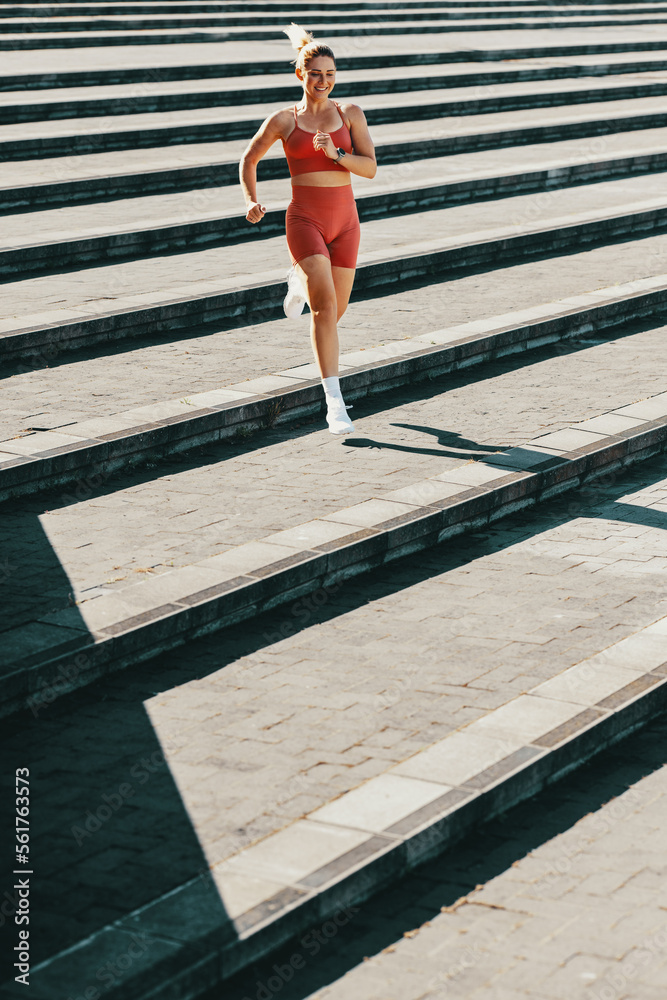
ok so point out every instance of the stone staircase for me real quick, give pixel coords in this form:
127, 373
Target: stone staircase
173, 507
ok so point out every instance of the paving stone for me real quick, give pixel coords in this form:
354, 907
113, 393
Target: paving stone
190, 504
474, 950
178, 715
130, 284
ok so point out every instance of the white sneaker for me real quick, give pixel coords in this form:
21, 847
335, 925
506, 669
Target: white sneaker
295, 299
337, 418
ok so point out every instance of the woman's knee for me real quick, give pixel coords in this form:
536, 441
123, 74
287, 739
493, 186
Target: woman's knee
324, 308
322, 299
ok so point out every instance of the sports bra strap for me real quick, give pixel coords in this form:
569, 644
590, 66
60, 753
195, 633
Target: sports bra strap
342, 116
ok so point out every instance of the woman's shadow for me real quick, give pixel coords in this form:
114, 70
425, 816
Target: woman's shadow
452, 445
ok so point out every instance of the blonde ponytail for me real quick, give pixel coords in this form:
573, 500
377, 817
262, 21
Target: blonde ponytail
298, 36
305, 45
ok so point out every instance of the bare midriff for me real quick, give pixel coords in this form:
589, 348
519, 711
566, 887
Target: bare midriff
321, 178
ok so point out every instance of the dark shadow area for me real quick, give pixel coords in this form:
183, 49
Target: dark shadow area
109, 829
33, 581
487, 852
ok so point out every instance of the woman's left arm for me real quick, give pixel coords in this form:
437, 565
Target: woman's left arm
362, 161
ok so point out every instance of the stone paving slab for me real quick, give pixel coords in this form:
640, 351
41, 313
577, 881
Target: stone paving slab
517, 604
592, 702
94, 18
89, 385
161, 96
552, 899
246, 26
379, 108
111, 174
145, 57
74, 307
52, 73
43, 460
205, 529
262, 6
464, 172
44, 40
280, 74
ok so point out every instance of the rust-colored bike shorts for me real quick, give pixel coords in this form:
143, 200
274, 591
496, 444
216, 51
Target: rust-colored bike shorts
323, 220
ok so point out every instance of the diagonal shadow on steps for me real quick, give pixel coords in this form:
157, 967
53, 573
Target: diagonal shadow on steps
108, 831
129, 801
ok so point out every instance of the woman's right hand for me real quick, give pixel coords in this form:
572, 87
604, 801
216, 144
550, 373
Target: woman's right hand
256, 212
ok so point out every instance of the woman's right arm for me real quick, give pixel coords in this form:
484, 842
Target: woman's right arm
271, 130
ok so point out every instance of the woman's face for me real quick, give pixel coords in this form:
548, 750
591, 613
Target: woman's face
318, 78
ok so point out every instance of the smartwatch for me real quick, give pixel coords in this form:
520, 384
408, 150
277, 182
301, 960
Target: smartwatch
341, 153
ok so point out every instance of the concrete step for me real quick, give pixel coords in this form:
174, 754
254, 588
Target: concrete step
455, 626
80, 386
180, 730
153, 62
124, 75
244, 505
53, 314
303, 6
91, 20
101, 446
102, 626
44, 40
140, 227
88, 177
123, 99
44, 139
314, 873
95, 20
199, 515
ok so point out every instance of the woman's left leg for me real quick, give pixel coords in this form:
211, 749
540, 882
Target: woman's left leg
324, 304
316, 275
343, 279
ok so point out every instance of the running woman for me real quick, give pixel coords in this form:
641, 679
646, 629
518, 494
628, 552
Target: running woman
324, 143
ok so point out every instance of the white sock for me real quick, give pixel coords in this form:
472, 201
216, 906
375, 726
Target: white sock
337, 418
332, 388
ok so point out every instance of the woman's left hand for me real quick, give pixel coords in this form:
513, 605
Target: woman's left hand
322, 140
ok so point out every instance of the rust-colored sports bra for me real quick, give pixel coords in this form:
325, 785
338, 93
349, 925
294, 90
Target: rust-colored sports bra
303, 158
